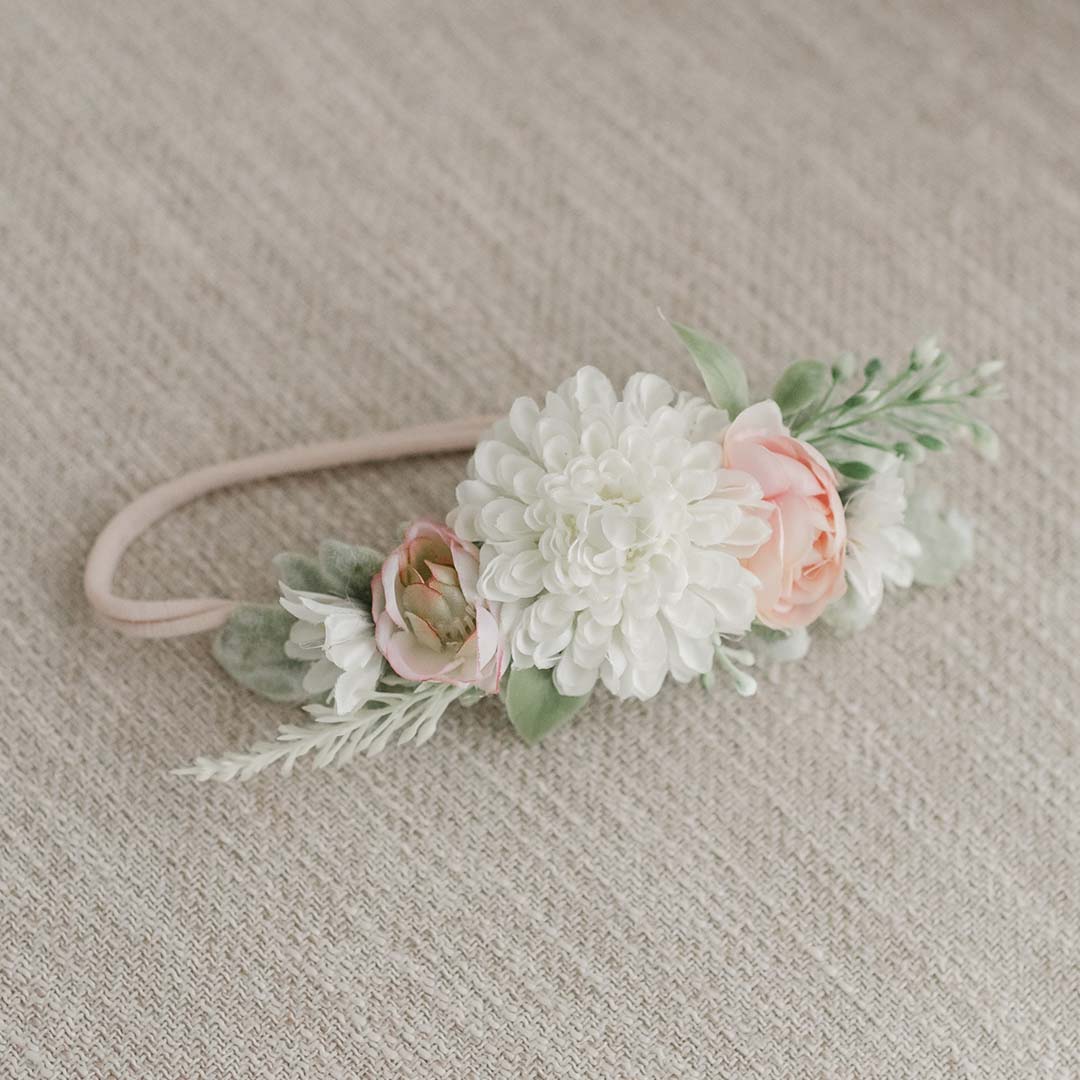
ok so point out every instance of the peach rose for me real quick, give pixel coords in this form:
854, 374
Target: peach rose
430, 623
801, 566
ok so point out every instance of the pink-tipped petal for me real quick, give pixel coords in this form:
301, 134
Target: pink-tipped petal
467, 565
411, 660
391, 584
758, 421
425, 600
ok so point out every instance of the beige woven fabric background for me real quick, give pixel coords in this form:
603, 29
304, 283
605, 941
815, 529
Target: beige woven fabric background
229, 226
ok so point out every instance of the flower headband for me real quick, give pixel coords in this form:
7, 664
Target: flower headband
598, 539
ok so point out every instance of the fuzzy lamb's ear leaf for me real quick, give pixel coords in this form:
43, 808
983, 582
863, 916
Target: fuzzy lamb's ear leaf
348, 569
723, 374
251, 648
299, 572
801, 384
535, 707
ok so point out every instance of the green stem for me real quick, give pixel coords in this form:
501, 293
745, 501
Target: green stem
878, 409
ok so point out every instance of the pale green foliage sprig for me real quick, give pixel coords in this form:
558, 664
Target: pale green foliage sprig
401, 713
923, 406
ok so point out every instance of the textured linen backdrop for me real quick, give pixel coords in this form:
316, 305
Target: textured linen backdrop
231, 226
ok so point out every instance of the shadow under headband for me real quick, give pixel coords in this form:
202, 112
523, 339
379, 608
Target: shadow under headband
598, 537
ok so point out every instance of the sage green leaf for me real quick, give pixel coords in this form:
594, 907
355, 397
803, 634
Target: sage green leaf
535, 707
985, 441
801, 384
854, 470
946, 537
251, 648
723, 374
931, 442
300, 572
348, 569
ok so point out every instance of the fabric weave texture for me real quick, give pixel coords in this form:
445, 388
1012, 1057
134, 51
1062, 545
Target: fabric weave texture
233, 226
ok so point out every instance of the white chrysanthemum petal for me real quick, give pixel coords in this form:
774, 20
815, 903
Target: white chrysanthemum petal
646, 394
574, 679
692, 615
475, 493
746, 537
503, 518
591, 387
611, 533
486, 461
740, 486
690, 655
597, 439
524, 415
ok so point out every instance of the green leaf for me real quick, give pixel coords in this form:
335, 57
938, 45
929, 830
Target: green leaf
985, 440
723, 374
854, 470
535, 707
251, 648
945, 536
348, 569
299, 572
801, 384
931, 442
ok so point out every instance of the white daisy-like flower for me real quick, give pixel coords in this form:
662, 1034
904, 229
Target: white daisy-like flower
338, 636
611, 533
881, 550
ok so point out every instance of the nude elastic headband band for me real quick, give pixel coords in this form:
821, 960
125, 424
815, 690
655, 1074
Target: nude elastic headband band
176, 618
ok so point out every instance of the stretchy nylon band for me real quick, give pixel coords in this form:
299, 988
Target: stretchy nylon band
175, 618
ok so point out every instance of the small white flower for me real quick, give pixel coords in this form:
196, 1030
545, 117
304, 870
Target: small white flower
338, 636
926, 352
611, 533
881, 550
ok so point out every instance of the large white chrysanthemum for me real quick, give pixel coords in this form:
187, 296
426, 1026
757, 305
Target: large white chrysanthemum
611, 533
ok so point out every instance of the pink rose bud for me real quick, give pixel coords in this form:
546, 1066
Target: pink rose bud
801, 566
430, 622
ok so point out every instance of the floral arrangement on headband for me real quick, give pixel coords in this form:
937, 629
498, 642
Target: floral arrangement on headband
619, 540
